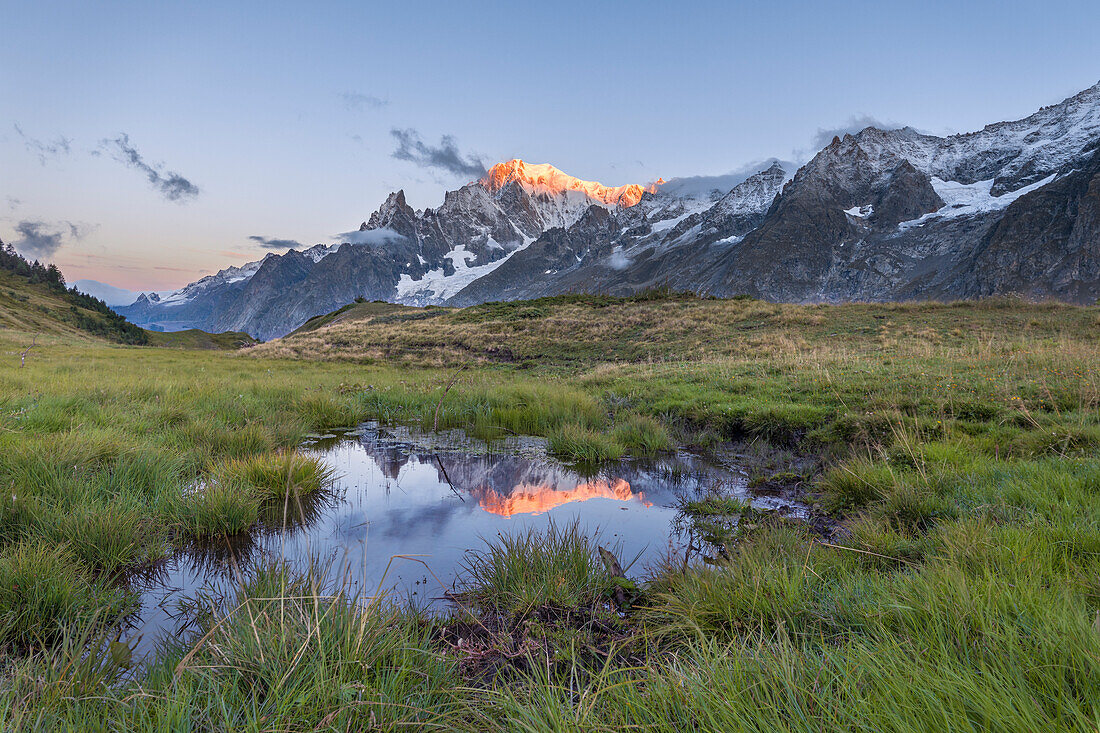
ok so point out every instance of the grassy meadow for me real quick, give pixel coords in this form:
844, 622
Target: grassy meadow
949, 581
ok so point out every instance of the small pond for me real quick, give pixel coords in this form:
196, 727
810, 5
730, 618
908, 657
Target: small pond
436, 496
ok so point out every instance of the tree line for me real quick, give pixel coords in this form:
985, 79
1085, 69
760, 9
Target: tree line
102, 321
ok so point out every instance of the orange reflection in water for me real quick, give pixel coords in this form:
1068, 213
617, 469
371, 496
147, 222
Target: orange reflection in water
538, 499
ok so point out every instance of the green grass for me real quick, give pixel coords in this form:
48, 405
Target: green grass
583, 444
193, 338
715, 506
641, 435
243, 491
953, 449
785, 634
105, 536
356, 311
45, 590
218, 510
274, 476
513, 574
763, 684
284, 657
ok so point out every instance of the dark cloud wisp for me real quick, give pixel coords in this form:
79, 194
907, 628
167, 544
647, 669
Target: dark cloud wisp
356, 101
41, 240
445, 156
170, 184
45, 149
269, 243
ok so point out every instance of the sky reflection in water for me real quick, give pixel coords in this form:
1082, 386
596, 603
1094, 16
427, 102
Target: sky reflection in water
402, 494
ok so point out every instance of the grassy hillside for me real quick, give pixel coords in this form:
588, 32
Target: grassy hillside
35, 303
952, 453
54, 315
193, 338
37, 307
582, 330
357, 311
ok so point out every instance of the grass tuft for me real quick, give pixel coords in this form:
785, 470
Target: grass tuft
514, 574
218, 509
274, 476
641, 435
44, 590
583, 444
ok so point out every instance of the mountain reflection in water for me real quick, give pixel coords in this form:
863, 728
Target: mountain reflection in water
436, 497
524, 499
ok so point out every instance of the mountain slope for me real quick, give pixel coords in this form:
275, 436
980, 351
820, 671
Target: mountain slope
35, 300
660, 242
415, 257
895, 215
878, 215
1047, 244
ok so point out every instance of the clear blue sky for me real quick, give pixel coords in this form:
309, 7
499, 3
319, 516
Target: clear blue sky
280, 114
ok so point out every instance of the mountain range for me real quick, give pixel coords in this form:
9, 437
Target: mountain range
881, 215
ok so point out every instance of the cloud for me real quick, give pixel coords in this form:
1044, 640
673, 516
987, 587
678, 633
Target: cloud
355, 101
45, 149
267, 243
854, 124
40, 240
707, 185
443, 157
370, 236
80, 230
170, 184
618, 260
14, 203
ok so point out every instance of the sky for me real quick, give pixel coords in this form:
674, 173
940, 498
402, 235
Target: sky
146, 144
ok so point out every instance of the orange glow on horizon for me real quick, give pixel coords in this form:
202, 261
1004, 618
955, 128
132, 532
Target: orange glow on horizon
543, 498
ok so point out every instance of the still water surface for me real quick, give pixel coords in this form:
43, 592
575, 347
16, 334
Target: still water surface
437, 496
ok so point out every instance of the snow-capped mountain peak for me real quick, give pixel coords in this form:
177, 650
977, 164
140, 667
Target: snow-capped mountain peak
880, 214
228, 276
543, 178
393, 209
755, 193
1013, 154
234, 274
